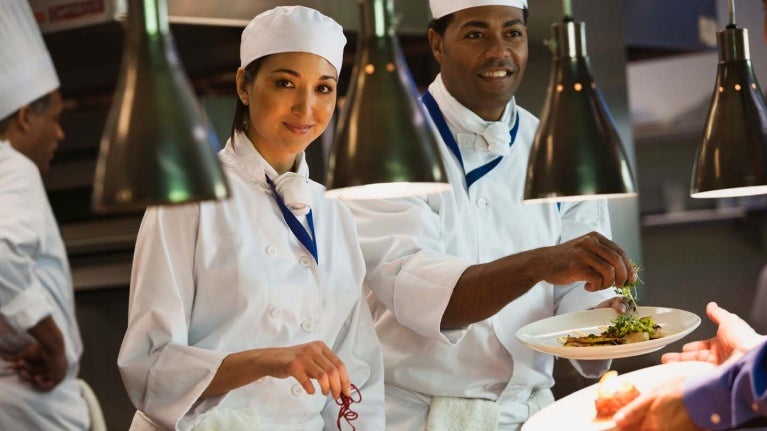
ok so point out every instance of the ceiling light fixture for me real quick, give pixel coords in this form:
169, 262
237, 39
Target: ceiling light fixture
732, 158
158, 146
577, 153
383, 147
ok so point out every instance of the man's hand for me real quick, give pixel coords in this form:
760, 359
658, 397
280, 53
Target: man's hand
43, 369
43, 362
734, 337
484, 289
659, 410
591, 258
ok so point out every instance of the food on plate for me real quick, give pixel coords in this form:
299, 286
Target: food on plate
626, 328
612, 394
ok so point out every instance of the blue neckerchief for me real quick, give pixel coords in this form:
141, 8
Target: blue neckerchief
309, 241
447, 136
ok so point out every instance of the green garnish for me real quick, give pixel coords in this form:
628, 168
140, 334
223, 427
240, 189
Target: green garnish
625, 323
629, 290
629, 322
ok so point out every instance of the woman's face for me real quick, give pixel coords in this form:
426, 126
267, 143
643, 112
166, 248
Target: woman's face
290, 102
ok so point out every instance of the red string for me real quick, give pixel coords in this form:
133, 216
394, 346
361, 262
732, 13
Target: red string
345, 412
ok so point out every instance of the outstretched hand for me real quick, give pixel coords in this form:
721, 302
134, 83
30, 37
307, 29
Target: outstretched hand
42, 369
734, 337
592, 258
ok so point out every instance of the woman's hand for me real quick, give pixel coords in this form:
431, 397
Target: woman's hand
307, 362
304, 362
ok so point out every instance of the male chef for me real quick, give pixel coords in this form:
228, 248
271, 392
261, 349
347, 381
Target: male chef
40, 342
454, 275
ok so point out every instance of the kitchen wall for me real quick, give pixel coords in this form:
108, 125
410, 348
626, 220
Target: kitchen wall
693, 250
689, 257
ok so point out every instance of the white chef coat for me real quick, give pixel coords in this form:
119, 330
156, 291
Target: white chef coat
34, 283
219, 277
417, 248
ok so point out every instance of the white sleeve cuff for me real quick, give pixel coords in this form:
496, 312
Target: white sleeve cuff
178, 379
422, 292
27, 308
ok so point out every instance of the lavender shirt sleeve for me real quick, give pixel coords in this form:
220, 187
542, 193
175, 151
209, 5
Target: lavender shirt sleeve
733, 395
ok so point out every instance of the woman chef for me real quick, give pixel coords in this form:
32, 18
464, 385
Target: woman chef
247, 313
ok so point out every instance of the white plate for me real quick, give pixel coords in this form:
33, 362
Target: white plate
542, 335
579, 408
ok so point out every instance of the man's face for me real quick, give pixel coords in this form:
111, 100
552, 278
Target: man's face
483, 55
45, 132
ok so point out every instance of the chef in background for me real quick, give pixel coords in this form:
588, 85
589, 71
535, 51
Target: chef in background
248, 313
454, 275
39, 338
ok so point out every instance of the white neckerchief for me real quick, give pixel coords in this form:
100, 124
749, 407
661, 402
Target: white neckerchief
478, 140
292, 187
294, 191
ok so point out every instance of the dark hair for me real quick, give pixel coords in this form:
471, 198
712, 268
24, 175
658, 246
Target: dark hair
38, 106
440, 25
240, 122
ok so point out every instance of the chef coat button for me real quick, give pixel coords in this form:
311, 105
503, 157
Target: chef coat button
481, 203
307, 326
297, 390
305, 261
275, 312
715, 419
271, 250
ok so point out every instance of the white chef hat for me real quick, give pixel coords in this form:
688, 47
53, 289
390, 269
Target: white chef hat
440, 8
293, 29
26, 68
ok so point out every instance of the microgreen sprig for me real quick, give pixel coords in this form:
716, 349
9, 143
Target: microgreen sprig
629, 290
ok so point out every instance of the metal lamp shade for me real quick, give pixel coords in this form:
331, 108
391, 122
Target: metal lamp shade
732, 159
383, 146
158, 147
577, 153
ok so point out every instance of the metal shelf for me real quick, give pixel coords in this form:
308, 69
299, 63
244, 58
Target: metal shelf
696, 216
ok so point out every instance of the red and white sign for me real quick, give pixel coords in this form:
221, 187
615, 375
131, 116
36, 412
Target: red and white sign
55, 15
